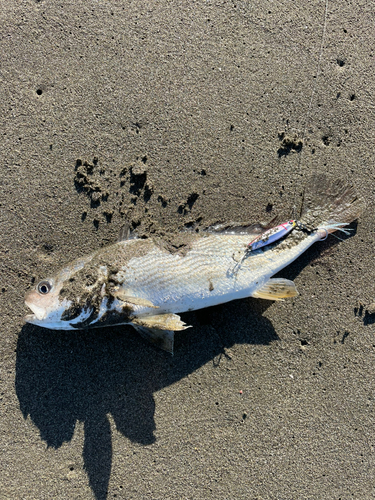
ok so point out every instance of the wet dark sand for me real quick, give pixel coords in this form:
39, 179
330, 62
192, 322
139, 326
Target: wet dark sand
168, 115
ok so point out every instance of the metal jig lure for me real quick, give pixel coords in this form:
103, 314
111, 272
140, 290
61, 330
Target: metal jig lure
272, 235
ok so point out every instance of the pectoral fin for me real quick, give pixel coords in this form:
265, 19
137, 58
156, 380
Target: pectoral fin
276, 289
159, 329
135, 301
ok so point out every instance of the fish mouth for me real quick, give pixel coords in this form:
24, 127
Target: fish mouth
31, 318
39, 313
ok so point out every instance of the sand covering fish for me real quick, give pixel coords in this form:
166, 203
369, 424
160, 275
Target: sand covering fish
147, 282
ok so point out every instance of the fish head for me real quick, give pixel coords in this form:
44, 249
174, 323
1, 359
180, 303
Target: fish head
84, 294
65, 301
47, 305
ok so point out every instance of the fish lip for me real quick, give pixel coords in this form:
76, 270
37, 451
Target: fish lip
39, 313
30, 318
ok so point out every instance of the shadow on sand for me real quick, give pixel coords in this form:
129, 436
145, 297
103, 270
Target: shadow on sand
65, 377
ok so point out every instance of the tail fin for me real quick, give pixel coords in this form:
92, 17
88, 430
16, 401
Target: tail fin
330, 204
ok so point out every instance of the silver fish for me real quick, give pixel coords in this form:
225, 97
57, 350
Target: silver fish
146, 282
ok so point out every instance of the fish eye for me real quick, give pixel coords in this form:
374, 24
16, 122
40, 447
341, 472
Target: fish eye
44, 287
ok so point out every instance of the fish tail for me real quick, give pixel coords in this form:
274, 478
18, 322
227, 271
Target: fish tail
330, 204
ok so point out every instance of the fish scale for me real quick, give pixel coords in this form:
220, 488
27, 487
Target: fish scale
173, 280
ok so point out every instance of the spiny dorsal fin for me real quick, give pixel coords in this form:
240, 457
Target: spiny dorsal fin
126, 233
276, 289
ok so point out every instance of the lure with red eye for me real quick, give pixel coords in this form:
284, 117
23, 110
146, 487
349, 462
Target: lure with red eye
272, 235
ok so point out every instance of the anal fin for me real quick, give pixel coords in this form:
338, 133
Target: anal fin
276, 289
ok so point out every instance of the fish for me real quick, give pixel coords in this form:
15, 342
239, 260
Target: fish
148, 282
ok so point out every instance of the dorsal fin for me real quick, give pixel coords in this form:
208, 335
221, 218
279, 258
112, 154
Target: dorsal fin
126, 233
241, 228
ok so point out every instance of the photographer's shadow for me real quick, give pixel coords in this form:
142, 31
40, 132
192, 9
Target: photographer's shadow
65, 377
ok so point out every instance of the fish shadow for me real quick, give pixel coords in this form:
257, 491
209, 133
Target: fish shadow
67, 377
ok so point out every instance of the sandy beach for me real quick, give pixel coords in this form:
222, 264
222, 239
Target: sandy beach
172, 115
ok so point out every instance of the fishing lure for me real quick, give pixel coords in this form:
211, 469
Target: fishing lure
272, 235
